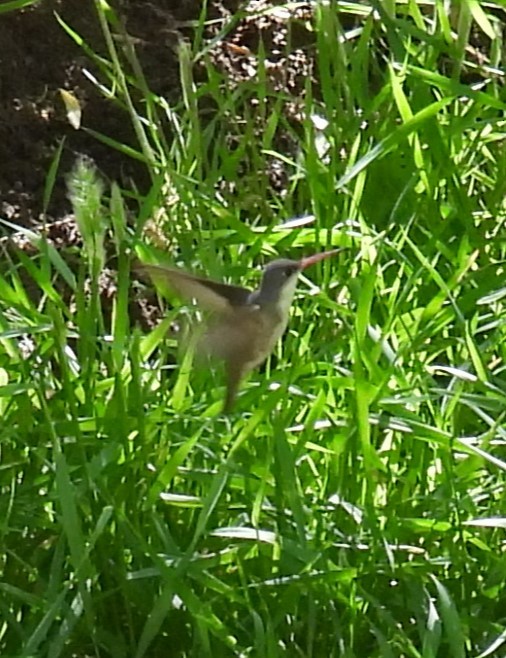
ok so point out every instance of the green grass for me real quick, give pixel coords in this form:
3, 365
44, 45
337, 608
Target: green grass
354, 509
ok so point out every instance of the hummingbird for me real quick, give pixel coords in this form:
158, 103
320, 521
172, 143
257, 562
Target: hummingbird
244, 325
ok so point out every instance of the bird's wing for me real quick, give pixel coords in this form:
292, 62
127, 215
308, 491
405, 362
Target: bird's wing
211, 295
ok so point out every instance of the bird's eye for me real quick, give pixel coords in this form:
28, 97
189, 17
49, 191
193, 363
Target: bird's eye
289, 271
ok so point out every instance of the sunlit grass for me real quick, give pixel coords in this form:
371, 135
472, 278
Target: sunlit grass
353, 504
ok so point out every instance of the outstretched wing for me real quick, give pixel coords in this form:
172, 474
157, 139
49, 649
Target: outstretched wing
211, 295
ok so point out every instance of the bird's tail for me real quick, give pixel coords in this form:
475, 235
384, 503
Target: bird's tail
234, 376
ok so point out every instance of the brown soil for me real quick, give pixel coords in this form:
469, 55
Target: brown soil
37, 59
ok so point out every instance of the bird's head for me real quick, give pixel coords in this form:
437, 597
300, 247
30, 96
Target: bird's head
280, 279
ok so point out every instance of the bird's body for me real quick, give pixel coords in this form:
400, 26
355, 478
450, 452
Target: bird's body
243, 340
245, 325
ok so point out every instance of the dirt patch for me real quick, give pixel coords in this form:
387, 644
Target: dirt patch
37, 59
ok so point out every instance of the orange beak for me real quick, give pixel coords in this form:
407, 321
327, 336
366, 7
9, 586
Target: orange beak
316, 258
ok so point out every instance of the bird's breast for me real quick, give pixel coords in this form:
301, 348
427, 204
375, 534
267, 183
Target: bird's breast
246, 336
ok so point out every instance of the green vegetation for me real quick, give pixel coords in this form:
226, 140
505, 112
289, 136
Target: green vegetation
357, 507
13, 5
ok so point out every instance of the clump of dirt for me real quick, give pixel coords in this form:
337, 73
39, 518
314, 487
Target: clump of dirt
37, 59
279, 41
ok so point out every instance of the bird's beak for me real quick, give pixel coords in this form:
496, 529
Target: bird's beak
316, 258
